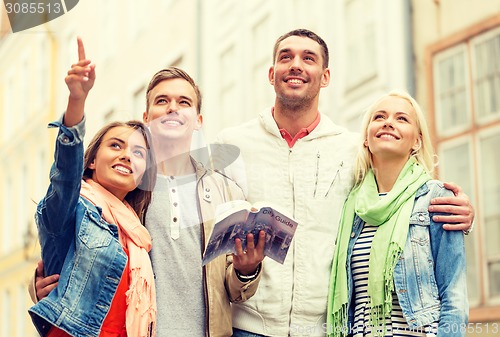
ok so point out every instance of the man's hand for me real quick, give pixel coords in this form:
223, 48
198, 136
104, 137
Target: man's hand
461, 212
246, 262
44, 285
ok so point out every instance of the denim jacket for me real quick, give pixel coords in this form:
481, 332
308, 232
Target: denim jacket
78, 244
430, 276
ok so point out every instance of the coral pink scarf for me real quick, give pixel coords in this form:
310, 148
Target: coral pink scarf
141, 296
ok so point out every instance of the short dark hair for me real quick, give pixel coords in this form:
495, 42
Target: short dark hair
171, 73
304, 33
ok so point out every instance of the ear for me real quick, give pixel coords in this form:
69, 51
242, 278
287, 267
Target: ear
325, 79
418, 144
145, 118
199, 122
365, 143
270, 75
92, 165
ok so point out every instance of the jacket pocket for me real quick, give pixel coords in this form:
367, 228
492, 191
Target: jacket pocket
421, 268
93, 231
419, 228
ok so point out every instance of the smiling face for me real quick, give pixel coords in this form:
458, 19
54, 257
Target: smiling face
393, 131
172, 113
298, 73
120, 160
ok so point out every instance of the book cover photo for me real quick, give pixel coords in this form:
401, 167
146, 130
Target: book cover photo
235, 219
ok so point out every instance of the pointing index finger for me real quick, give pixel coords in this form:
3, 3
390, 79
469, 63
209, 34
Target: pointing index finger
81, 49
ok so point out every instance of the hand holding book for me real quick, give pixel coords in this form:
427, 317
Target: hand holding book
237, 219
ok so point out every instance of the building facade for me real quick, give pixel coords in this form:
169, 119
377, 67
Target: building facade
128, 41
457, 66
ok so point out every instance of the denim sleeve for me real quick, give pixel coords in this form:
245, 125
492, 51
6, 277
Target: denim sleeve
448, 251
56, 213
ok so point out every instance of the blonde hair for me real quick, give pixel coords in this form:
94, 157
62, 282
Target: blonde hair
424, 155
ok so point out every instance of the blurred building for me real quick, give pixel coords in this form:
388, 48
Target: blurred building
27, 101
444, 52
129, 41
457, 66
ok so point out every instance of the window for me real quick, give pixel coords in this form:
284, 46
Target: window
460, 171
6, 309
7, 215
228, 87
42, 176
486, 70
24, 89
466, 84
21, 311
360, 46
451, 87
8, 107
43, 73
138, 16
261, 63
108, 23
139, 102
489, 164
22, 207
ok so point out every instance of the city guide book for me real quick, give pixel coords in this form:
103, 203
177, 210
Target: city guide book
235, 219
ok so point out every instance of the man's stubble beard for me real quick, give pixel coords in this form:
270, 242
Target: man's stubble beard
293, 107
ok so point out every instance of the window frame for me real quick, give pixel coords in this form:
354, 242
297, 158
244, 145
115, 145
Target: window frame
485, 309
473, 43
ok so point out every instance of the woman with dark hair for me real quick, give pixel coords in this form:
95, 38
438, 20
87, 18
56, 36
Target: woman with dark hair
89, 225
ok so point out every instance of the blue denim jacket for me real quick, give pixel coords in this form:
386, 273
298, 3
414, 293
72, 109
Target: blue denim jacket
77, 243
430, 276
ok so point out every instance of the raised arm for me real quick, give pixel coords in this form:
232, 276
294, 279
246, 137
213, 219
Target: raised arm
56, 213
80, 80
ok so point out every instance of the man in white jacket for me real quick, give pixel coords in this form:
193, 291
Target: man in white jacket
298, 158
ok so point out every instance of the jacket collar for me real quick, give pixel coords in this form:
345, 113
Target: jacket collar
422, 190
199, 168
325, 127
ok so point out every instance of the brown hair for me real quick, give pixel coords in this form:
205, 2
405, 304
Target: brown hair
304, 33
171, 73
140, 198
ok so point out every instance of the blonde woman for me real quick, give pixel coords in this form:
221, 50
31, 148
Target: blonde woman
396, 272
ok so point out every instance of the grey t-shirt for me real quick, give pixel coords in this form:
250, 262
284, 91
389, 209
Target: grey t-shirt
174, 224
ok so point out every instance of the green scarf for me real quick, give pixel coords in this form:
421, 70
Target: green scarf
392, 213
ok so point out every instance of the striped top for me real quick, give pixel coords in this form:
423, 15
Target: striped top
396, 325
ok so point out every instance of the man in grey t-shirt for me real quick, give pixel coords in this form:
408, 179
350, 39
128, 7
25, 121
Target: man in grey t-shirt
191, 299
